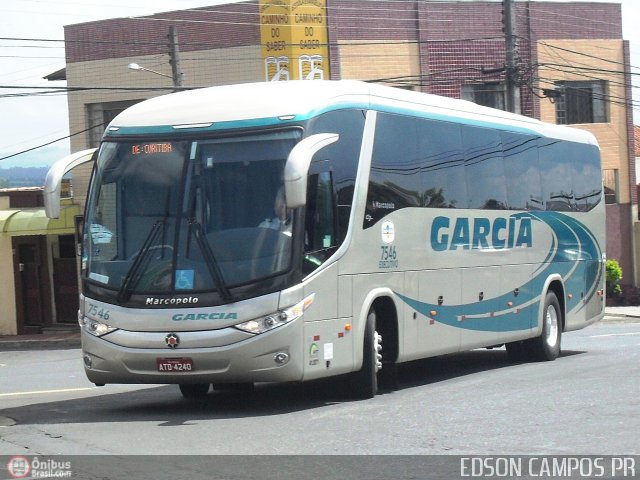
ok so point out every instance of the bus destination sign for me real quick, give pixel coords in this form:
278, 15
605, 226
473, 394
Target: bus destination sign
151, 148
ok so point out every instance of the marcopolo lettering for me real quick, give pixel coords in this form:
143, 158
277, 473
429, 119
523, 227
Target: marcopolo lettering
479, 233
171, 301
178, 317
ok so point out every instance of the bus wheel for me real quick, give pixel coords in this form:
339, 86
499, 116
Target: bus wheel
194, 390
547, 346
365, 383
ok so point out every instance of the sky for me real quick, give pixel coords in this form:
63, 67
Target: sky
28, 122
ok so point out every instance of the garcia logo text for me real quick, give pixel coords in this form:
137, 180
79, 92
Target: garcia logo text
480, 233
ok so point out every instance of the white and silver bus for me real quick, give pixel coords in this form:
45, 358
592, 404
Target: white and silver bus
290, 231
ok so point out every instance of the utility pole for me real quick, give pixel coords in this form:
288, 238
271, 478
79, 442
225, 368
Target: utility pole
174, 58
512, 97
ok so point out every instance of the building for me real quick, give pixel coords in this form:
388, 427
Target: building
571, 67
38, 271
636, 134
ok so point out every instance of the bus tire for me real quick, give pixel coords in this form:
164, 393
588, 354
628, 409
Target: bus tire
546, 347
388, 377
365, 381
194, 390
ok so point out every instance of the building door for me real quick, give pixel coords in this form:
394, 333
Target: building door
65, 281
33, 306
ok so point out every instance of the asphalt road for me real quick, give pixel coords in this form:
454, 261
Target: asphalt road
586, 402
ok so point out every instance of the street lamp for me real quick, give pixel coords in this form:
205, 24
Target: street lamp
135, 66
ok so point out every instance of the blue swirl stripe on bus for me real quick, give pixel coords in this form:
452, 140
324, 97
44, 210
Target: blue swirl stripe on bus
577, 245
570, 257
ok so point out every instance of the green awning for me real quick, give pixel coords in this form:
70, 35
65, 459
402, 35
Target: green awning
33, 221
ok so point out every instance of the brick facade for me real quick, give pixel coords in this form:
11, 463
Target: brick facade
208, 28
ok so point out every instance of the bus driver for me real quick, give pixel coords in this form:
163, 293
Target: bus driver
281, 221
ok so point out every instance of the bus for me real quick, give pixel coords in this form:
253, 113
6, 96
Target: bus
289, 231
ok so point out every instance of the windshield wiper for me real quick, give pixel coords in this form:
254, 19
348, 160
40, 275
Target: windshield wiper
212, 263
140, 264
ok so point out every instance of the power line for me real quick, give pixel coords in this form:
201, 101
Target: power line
585, 54
23, 57
565, 68
406, 14
48, 89
402, 42
557, 14
163, 43
32, 46
571, 68
51, 142
561, 24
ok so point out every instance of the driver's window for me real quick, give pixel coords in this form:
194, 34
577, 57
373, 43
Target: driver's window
320, 227
104, 229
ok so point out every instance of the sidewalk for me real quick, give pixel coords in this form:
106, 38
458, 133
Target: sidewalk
42, 341
71, 338
621, 312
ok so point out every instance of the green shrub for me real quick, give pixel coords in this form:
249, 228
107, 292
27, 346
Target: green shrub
614, 275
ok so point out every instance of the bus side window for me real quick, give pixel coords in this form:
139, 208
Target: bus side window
320, 224
343, 158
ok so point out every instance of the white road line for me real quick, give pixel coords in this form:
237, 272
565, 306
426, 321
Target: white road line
615, 335
41, 392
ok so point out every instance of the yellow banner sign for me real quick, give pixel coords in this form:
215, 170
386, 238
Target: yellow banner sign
294, 39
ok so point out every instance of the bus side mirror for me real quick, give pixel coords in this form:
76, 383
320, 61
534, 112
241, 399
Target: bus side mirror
54, 178
297, 167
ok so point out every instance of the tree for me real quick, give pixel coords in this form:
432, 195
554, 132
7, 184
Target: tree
614, 275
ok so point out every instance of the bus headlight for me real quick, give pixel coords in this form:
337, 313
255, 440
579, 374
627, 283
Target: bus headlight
277, 319
94, 327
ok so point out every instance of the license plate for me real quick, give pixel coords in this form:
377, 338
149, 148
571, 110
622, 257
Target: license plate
174, 365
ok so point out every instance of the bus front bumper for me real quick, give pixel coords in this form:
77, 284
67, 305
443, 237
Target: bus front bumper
274, 356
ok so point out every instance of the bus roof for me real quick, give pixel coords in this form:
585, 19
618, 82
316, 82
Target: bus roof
299, 100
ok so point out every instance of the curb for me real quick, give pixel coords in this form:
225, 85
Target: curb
621, 313
620, 316
51, 344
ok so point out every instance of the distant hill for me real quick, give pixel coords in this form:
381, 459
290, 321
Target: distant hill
22, 176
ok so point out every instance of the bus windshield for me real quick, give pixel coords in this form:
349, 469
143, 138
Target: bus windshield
174, 217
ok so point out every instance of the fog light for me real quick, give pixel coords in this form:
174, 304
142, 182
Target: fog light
87, 361
281, 358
